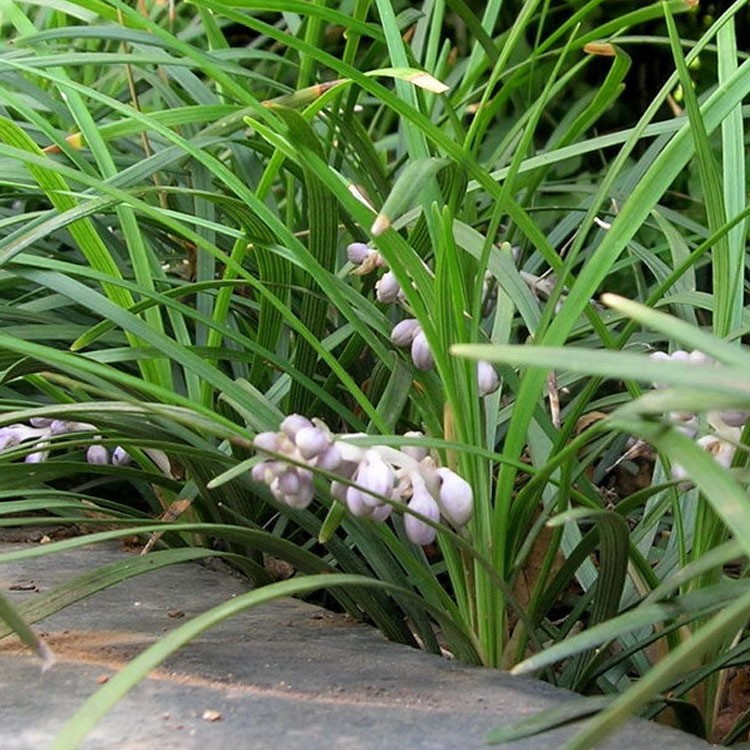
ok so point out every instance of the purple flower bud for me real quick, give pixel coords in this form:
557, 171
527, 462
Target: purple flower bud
330, 459
487, 379
387, 288
311, 441
424, 503
346, 469
289, 482
357, 252
120, 457
420, 352
40, 421
294, 486
97, 454
338, 491
14, 434
304, 496
381, 513
267, 441
734, 417
263, 472
403, 333
36, 458
355, 501
59, 427
456, 497
293, 423
680, 356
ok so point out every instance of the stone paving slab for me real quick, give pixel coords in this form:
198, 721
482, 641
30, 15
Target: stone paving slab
284, 675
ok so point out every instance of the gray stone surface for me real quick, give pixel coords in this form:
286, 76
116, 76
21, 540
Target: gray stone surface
285, 675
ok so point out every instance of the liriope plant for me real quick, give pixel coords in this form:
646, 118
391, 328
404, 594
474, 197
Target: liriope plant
224, 223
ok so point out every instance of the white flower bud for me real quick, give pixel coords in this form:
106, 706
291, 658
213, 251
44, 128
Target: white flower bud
311, 441
659, 357
420, 352
487, 379
267, 441
374, 477
417, 452
14, 434
686, 422
424, 503
403, 333
721, 450
680, 356
97, 454
699, 358
293, 423
161, 460
40, 421
678, 472
387, 288
456, 497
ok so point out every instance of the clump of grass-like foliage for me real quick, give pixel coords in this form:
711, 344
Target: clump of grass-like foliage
398, 221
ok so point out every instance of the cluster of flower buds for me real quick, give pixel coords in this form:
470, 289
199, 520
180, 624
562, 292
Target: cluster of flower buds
409, 333
41, 431
366, 258
371, 476
387, 289
726, 425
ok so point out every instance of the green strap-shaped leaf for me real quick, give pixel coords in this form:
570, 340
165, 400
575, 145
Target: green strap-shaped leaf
18, 625
61, 197
322, 212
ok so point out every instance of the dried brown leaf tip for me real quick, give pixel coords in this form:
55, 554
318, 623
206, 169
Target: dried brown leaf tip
75, 140
603, 49
380, 225
427, 82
